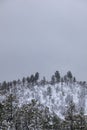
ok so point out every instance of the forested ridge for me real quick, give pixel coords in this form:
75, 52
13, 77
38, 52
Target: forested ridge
38, 104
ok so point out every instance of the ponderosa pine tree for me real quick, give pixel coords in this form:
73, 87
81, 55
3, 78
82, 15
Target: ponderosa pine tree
36, 77
69, 75
1, 115
14, 82
56, 123
57, 76
28, 79
32, 79
43, 81
4, 85
69, 117
81, 123
74, 79
23, 80
9, 108
53, 79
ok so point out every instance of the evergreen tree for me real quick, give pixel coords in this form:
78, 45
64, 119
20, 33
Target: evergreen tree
80, 120
70, 115
10, 84
65, 79
9, 110
46, 120
43, 81
62, 80
74, 79
32, 79
14, 82
19, 81
69, 75
1, 115
23, 80
56, 122
57, 76
28, 79
53, 79
4, 86
36, 76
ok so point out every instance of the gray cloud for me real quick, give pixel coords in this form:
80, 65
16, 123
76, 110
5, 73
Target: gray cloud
43, 36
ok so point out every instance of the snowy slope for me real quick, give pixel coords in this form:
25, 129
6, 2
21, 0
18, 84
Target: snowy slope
56, 97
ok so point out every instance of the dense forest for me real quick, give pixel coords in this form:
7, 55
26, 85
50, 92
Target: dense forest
17, 114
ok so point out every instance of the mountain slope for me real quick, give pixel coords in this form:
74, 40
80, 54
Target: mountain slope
54, 96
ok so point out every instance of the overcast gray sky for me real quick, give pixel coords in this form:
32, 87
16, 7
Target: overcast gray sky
43, 36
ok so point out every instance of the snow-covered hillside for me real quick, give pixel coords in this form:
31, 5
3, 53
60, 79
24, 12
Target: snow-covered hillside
56, 97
